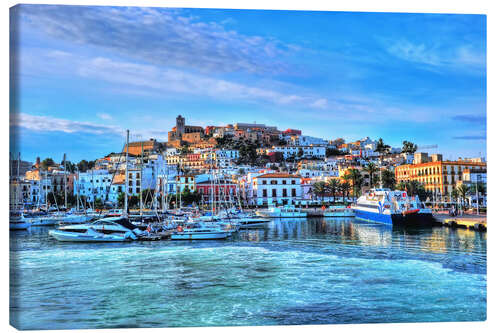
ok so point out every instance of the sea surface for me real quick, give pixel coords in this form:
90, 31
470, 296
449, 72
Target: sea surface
314, 271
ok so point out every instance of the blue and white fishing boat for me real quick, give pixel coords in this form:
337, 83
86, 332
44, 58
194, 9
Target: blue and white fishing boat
391, 207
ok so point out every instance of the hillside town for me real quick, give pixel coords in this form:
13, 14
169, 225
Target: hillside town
258, 165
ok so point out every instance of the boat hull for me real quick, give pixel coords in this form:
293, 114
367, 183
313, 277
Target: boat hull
19, 225
414, 219
66, 236
200, 235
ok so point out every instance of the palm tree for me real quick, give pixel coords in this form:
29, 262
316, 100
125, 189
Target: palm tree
388, 179
371, 168
354, 175
462, 192
344, 187
319, 189
333, 187
382, 149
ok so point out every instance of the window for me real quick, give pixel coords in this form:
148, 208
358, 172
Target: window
274, 193
293, 182
284, 192
264, 193
264, 182
274, 182
283, 182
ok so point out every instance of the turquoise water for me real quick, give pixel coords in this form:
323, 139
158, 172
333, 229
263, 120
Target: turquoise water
293, 272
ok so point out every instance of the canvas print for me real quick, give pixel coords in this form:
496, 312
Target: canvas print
174, 167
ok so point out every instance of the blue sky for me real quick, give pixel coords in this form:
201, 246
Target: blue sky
82, 75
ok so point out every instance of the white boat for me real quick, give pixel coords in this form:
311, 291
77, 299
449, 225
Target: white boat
90, 235
18, 222
287, 211
338, 211
198, 231
116, 226
246, 220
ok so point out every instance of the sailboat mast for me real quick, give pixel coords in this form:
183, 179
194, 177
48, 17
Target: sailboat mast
64, 182
126, 178
140, 189
18, 183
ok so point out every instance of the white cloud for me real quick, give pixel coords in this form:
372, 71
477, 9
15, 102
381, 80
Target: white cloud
159, 36
104, 116
320, 103
181, 82
435, 56
51, 124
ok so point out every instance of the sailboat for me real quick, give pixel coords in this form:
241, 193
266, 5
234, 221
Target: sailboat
17, 221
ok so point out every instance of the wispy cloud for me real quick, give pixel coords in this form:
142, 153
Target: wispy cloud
471, 118
46, 124
470, 137
439, 56
105, 116
159, 36
51, 124
176, 81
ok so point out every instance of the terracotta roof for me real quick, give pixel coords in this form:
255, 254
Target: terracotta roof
278, 175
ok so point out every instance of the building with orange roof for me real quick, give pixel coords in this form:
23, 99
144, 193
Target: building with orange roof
438, 177
275, 188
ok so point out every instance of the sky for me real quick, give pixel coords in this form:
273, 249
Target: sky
82, 75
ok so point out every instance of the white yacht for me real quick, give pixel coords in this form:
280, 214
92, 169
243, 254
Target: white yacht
287, 211
119, 227
338, 211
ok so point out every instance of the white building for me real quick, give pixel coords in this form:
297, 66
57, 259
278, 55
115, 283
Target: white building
275, 188
304, 140
93, 184
307, 151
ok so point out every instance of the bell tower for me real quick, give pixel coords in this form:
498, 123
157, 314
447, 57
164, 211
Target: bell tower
180, 123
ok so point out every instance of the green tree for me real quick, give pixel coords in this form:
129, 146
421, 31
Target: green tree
388, 179
333, 186
333, 152
345, 188
98, 203
463, 191
382, 149
46, 163
371, 168
409, 147
121, 199
320, 189
356, 179
84, 165
413, 188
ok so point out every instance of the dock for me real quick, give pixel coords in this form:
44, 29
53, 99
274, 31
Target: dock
467, 221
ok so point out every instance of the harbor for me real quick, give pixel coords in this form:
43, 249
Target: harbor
293, 271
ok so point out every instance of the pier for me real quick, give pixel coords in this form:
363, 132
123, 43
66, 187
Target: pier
467, 221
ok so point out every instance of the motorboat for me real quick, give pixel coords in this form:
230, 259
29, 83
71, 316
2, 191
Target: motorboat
287, 211
338, 211
392, 207
117, 226
89, 235
199, 231
17, 221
